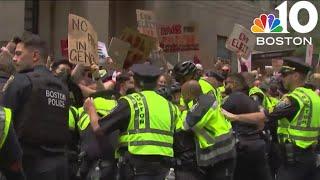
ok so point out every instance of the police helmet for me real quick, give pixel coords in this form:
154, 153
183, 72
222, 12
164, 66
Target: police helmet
183, 69
164, 92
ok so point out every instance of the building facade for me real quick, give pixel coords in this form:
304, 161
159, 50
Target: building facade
214, 19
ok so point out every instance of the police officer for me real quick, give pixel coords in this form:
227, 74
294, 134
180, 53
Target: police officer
298, 123
10, 151
215, 144
146, 121
185, 71
251, 148
40, 106
97, 152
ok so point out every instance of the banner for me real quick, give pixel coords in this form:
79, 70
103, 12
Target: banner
141, 46
309, 53
178, 38
241, 41
118, 51
147, 23
82, 41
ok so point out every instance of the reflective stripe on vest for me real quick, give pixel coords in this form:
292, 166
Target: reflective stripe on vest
303, 130
214, 137
151, 140
222, 149
5, 120
73, 116
103, 108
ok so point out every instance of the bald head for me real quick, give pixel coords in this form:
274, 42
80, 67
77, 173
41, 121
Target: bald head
191, 90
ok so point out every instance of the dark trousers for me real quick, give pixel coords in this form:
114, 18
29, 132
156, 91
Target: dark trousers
138, 168
274, 159
303, 168
46, 168
223, 170
252, 163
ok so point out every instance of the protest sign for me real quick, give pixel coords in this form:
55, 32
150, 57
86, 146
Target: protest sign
146, 23
178, 38
118, 51
141, 46
82, 41
241, 41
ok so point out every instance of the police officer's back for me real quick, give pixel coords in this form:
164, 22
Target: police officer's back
147, 122
39, 102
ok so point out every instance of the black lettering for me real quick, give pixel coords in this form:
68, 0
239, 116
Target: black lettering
72, 55
75, 24
81, 45
91, 41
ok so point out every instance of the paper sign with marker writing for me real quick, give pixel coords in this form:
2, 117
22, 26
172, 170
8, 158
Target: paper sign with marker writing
146, 23
82, 41
241, 40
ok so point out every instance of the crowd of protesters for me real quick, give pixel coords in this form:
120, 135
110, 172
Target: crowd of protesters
41, 141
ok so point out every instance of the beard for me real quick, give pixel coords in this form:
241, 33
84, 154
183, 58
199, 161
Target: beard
228, 91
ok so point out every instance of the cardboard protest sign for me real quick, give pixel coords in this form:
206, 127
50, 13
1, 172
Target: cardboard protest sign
178, 38
141, 46
118, 51
82, 41
241, 41
147, 23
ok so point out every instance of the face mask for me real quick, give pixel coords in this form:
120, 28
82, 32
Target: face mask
224, 74
64, 76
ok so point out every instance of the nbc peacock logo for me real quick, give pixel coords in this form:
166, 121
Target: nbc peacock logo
266, 24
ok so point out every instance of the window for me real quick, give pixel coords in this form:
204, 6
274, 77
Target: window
31, 16
222, 51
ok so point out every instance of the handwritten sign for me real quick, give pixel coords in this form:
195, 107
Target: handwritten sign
146, 23
177, 38
141, 46
82, 41
241, 40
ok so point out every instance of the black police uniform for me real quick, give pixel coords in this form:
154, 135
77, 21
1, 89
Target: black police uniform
251, 160
119, 119
39, 102
3, 80
305, 167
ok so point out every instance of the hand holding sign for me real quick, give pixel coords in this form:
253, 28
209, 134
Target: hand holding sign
241, 41
82, 41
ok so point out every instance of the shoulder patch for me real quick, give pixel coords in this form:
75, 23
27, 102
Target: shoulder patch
284, 102
9, 81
